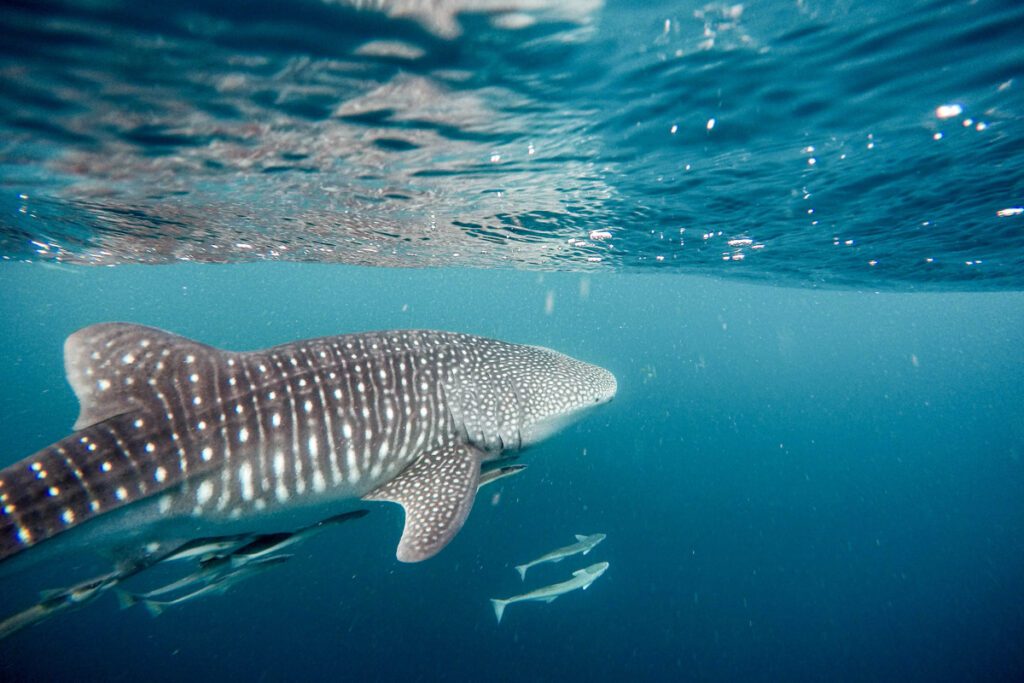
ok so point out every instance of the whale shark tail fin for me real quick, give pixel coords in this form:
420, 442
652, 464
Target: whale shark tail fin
499, 607
521, 568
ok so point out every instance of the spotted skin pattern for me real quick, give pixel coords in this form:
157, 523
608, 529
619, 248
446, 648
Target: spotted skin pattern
405, 416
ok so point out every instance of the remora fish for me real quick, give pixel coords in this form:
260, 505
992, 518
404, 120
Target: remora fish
581, 578
216, 587
203, 548
491, 476
177, 439
265, 544
214, 566
57, 601
583, 544
209, 572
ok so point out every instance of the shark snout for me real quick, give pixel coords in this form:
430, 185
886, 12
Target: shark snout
606, 387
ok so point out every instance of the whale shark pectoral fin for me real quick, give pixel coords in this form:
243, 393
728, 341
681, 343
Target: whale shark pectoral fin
437, 492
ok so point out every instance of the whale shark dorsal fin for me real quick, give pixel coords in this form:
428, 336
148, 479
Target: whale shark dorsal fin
113, 367
437, 492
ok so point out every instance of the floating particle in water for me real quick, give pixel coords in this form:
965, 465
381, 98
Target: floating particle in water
948, 111
1012, 211
600, 235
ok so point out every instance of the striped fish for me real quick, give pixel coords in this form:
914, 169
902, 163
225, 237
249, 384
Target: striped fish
176, 439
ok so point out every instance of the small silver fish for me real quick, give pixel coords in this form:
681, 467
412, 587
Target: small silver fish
581, 578
583, 544
54, 602
266, 544
218, 586
491, 476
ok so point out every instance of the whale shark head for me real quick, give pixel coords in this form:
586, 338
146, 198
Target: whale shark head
509, 396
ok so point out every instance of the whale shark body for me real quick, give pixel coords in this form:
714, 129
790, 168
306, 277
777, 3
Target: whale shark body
177, 440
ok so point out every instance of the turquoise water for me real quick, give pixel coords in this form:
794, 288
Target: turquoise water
793, 230
795, 485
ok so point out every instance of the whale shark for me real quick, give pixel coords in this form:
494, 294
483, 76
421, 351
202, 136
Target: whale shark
177, 440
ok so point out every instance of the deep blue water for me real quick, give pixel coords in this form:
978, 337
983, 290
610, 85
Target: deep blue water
793, 230
795, 484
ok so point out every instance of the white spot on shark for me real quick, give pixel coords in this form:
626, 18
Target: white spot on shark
204, 493
245, 479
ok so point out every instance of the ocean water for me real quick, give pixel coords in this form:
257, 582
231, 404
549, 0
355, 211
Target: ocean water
793, 230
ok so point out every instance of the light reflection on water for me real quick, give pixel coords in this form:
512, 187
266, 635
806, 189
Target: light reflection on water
816, 143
